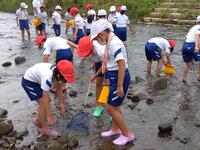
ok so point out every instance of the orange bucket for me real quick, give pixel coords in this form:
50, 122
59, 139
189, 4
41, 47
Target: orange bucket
103, 98
36, 22
170, 70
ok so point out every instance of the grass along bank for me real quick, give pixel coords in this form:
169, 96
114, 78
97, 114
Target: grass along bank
137, 9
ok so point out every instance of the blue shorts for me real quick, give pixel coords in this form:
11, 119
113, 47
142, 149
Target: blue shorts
79, 35
42, 26
87, 32
114, 28
121, 33
64, 54
188, 52
23, 24
113, 99
152, 51
56, 29
33, 90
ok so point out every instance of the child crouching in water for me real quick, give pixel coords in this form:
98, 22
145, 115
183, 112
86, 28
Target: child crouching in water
37, 81
115, 63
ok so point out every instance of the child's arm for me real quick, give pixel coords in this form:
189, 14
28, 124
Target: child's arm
121, 74
71, 44
75, 32
196, 42
17, 21
96, 75
46, 58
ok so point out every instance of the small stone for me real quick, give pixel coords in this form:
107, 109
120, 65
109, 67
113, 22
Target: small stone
10, 49
7, 64
20, 60
3, 112
165, 127
15, 101
1, 82
90, 94
73, 93
160, 84
135, 99
54, 145
138, 79
6, 127
132, 105
149, 101
72, 141
197, 123
40, 146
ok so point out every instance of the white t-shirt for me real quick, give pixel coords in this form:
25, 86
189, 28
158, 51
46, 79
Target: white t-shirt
57, 17
93, 12
88, 25
36, 4
78, 20
22, 14
162, 43
43, 17
116, 52
40, 73
112, 18
191, 34
98, 51
54, 43
122, 21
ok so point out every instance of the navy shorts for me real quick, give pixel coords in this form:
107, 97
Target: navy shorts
79, 35
188, 52
33, 90
42, 26
64, 54
97, 67
152, 51
23, 24
113, 99
87, 32
121, 33
56, 29
114, 28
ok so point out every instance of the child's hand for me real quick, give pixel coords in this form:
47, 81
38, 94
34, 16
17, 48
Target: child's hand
51, 120
74, 37
120, 92
92, 78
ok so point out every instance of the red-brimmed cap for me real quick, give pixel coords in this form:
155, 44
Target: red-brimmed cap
66, 69
84, 46
88, 6
73, 10
40, 39
43, 5
172, 43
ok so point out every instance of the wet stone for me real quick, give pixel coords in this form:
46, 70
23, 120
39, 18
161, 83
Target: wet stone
165, 127
20, 60
54, 145
160, 84
3, 112
73, 93
7, 64
15, 101
90, 94
197, 123
72, 141
149, 101
6, 127
40, 146
138, 80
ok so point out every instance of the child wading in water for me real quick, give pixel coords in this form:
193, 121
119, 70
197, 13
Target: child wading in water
37, 82
22, 20
115, 62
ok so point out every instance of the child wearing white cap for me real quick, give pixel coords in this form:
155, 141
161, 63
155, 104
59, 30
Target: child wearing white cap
115, 62
122, 23
112, 18
57, 20
89, 21
22, 20
191, 49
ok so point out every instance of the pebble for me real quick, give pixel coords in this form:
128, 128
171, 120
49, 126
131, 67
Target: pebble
165, 127
7, 64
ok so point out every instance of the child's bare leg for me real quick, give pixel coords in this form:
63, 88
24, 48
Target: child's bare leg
60, 98
186, 71
99, 84
22, 33
42, 115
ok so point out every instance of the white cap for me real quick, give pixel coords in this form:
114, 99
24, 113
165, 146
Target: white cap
123, 8
23, 5
198, 19
112, 8
58, 7
91, 12
98, 27
102, 12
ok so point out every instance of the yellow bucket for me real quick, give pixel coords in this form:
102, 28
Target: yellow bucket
36, 22
169, 70
103, 98
70, 22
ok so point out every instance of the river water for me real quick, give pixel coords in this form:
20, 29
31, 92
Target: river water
179, 103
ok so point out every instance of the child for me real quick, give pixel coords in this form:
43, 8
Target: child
112, 18
191, 50
63, 51
88, 22
89, 7
69, 24
122, 23
78, 25
153, 51
22, 20
44, 19
38, 80
115, 62
87, 47
57, 20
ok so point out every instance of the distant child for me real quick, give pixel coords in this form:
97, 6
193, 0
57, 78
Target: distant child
154, 50
57, 20
69, 24
44, 19
122, 23
89, 7
63, 50
115, 62
86, 48
78, 25
88, 22
112, 18
191, 50
22, 20
37, 81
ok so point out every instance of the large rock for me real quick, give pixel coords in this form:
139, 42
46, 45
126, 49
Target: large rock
20, 60
6, 127
160, 84
165, 127
136, 98
54, 145
3, 112
7, 64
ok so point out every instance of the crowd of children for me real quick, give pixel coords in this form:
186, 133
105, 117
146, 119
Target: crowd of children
102, 37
